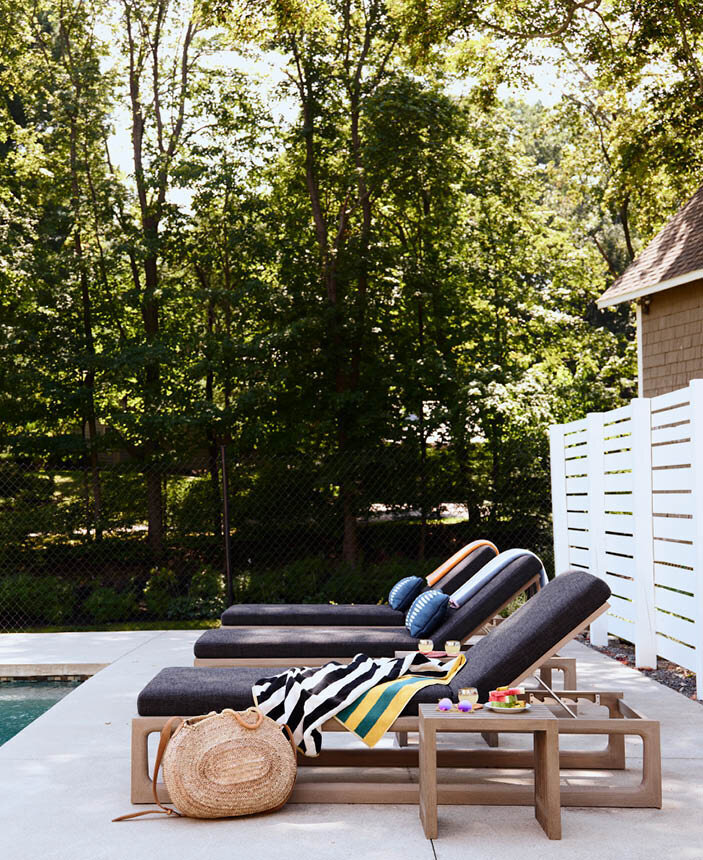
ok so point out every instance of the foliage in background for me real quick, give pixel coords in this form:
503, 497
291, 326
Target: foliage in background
378, 301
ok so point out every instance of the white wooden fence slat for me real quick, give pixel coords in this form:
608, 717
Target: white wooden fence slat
673, 528
621, 587
573, 427
578, 557
594, 425
577, 485
618, 503
676, 652
619, 564
556, 450
696, 400
675, 454
674, 577
672, 479
674, 553
617, 461
619, 482
622, 628
617, 415
674, 601
671, 503
671, 398
622, 523
577, 521
678, 433
671, 416
619, 544
577, 466
622, 608
677, 628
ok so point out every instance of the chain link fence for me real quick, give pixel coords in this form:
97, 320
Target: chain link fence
126, 543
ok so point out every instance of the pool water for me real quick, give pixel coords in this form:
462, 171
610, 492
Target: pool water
21, 702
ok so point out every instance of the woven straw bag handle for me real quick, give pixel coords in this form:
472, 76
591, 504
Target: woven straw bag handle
166, 734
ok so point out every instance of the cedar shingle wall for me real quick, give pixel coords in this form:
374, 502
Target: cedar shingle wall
672, 339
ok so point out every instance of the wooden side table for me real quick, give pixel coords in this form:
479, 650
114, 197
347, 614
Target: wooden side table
538, 721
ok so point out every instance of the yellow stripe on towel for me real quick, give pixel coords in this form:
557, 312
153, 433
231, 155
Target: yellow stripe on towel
434, 577
375, 711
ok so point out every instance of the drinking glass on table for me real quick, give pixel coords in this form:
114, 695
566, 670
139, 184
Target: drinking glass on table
452, 647
424, 646
468, 694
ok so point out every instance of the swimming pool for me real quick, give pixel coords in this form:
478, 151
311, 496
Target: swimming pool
21, 702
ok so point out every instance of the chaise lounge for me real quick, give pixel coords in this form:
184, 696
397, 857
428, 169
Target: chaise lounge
508, 654
291, 646
449, 576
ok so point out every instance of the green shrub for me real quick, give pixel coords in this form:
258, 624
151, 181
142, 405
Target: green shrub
160, 591
106, 604
205, 598
27, 599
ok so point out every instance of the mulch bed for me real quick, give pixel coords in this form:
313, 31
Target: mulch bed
667, 673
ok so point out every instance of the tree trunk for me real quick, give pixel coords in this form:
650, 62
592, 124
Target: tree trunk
155, 512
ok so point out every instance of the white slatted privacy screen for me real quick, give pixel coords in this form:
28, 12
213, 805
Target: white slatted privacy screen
627, 498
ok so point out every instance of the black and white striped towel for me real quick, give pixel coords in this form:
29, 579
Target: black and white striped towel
306, 698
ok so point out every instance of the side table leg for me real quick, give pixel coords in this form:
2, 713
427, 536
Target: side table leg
547, 787
428, 780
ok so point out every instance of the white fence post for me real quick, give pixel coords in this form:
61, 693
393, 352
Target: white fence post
696, 401
596, 513
643, 539
559, 522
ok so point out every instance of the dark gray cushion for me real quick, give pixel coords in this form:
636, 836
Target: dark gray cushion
239, 643
235, 642
345, 615
312, 615
534, 629
499, 658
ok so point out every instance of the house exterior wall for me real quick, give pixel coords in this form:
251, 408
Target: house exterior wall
670, 339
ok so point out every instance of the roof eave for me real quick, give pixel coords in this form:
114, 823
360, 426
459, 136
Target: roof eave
638, 292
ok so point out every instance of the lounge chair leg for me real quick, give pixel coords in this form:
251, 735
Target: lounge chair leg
401, 739
491, 738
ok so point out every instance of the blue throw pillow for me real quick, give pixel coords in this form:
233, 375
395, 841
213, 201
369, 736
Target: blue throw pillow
405, 591
426, 613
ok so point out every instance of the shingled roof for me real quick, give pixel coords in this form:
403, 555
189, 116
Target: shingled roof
674, 256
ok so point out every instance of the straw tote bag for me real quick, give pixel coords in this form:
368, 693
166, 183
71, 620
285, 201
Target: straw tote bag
224, 764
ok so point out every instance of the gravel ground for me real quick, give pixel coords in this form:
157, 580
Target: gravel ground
669, 674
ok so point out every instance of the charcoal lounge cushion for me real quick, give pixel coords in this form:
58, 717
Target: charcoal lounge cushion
427, 613
349, 615
264, 642
405, 591
499, 658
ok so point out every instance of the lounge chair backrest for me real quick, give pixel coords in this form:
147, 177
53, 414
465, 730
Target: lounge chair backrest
495, 593
467, 568
440, 572
464, 593
532, 631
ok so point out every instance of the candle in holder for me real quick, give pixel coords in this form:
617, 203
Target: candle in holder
468, 694
452, 647
425, 645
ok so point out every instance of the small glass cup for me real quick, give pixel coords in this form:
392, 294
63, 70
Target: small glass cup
468, 694
452, 647
425, 645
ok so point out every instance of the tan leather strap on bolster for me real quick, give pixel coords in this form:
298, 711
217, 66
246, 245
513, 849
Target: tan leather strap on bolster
166, 733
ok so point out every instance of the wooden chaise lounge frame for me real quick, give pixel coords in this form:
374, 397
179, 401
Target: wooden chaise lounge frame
622, 720
320, 661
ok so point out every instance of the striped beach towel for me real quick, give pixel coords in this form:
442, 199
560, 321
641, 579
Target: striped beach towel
373, 713
304, 699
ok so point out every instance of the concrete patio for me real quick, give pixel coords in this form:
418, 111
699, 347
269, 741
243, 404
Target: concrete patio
66, 775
